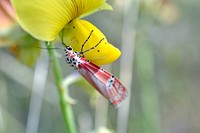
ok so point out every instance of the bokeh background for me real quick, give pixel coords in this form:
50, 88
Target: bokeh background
160, 65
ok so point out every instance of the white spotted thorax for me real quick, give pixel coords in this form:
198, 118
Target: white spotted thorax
104, 82
72, 57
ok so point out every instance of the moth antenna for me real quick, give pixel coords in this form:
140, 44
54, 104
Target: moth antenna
86, 41
92, 47
50, 48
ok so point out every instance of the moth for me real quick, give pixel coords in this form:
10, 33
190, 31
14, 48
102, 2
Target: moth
103, 81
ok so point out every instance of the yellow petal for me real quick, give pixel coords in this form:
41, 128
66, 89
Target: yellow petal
44, 19
94, 8
99, 52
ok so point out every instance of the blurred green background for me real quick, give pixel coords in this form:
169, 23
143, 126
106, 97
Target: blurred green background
160, 65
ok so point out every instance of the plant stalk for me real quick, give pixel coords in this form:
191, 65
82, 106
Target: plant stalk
64, 105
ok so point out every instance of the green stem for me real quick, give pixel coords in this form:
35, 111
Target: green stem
64, 105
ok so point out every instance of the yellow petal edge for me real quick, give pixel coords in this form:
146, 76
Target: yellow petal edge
44, 19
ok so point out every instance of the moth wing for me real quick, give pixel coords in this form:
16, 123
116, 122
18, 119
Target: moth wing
104, 82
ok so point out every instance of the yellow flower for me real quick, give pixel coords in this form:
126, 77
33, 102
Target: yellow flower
103, 52
45, 19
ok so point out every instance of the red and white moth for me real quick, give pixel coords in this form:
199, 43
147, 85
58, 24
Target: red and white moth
104, 82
